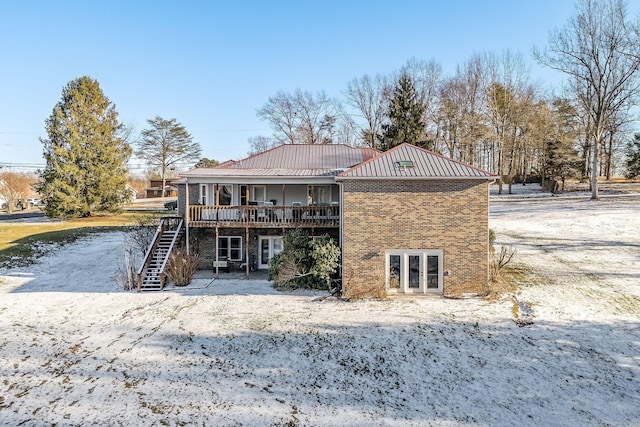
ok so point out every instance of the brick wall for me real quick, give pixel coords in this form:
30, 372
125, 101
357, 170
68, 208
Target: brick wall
428, 214
193, 197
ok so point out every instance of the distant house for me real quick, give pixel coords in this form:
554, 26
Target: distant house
408, 221
155, 188
132, 193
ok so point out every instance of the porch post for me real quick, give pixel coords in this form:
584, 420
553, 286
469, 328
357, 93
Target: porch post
246, 250
216, 246
217, 202
284, 210
186, 213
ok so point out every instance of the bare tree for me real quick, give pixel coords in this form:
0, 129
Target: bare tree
260, 143
281, 113
426, 76
461, 123
598, 49
301, 117
510, 98
317, 116
367, 96
14, 187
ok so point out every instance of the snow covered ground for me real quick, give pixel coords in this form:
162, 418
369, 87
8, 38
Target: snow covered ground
75, 350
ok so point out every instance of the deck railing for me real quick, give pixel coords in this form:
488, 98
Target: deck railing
276, 216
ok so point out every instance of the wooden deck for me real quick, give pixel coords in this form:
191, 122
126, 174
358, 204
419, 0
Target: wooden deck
264, 216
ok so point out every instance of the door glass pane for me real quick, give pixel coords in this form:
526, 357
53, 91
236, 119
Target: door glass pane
243, 195
259, 194
203, 195
394, 271
432, 272
277, 245
223, 247
236, 249
414, 271
264, 251
225, 195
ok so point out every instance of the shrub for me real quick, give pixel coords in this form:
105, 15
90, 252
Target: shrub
126, 275
499, 261
138, 239
182, 266
141, 234
304, 262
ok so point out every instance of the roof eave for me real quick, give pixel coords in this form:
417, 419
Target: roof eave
417, 178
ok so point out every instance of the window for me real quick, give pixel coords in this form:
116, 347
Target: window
414, 270
203, 194
225, 194
259, 193
319, 195
394, 272
230, 248
243, 196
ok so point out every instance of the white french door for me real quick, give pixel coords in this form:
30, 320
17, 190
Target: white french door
268, 247
414, 271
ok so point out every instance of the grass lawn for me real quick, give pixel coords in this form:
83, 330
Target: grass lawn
23, 242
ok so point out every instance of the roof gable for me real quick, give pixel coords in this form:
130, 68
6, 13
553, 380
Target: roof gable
408, 161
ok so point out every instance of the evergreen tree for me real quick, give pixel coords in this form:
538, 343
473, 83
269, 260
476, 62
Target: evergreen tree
85, 152
633, 157
206, 163
561, 161
405, 116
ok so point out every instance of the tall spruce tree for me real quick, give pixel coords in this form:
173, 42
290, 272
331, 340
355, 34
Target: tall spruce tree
633, 157
85, 152
405, 116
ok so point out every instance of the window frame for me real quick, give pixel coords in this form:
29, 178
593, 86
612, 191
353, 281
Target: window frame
203, 194
403, 274
264, 193
230, 248
312, 195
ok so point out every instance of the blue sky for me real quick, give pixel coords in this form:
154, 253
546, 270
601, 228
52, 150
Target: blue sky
212, 64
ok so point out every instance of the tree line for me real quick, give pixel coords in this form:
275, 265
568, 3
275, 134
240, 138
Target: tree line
490, 112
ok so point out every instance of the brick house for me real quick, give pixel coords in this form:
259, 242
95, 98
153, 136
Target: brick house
407, 220
414, 222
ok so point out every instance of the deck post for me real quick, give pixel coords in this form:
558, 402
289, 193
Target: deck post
186, 214
246, 250
216, 255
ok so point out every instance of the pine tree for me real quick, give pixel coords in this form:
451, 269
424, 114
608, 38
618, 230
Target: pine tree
165, 144
405, 115
561, 161
633, 157
85, 152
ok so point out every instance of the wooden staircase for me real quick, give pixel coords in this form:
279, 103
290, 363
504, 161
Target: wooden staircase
151, 275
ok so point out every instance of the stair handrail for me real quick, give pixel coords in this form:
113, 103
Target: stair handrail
169, 250
147, 255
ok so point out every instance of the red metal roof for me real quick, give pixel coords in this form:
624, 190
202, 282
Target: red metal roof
292, 160
424, 164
